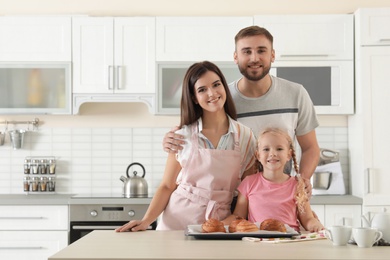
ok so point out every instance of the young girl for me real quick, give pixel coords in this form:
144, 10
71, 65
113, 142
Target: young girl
199, 183
271, 193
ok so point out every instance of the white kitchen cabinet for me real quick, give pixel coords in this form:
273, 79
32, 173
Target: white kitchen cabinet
368, 128
35, 38
114, 57
310, 37
372, 26
197, 38
347, 215
31, 245
33, 232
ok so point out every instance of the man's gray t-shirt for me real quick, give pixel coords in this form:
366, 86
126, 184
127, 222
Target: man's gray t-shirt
286, 105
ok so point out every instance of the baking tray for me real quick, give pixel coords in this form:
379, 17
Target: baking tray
196, 232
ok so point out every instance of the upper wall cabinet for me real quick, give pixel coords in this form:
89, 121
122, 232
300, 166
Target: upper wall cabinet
113, 56
310, 37
35, 38
372, 27
197, 38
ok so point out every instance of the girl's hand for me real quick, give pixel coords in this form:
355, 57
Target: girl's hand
314, 225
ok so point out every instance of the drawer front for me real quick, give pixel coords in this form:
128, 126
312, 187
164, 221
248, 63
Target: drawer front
36, 217
31, 245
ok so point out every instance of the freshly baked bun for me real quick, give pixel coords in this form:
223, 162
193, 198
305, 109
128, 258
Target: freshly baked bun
273, 225
213, 225
246, 226
233, 224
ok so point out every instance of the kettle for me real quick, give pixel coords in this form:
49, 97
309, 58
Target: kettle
380, 221
134, 186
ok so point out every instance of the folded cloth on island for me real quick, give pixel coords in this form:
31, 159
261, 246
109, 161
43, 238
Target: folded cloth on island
304, 236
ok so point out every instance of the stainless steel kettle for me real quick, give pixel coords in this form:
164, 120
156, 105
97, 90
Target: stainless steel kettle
134, 186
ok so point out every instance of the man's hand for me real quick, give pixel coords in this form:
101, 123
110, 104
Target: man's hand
172, 142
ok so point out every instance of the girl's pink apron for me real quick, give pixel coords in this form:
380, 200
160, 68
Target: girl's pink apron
205, 191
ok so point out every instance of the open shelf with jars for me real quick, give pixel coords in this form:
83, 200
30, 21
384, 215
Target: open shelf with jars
39, 174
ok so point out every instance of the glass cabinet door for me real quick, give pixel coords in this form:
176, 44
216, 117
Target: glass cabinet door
35, 88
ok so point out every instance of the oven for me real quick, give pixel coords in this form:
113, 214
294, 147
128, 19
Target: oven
87, 215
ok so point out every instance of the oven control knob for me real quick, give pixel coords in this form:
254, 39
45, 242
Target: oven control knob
93, 213
131, 213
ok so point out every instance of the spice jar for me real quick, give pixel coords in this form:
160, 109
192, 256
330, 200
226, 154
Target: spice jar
52, 166
43, 183
51, 184
35, 184
27, 166
34, 167
42, 166
26, 183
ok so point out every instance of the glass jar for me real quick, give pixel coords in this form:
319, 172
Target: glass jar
43, 184
26, 183
35, 184
42, 167
52, 166
51, 184
27, 166
34, 167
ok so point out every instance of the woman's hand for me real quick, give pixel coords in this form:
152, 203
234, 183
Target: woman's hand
172, 142
133, 225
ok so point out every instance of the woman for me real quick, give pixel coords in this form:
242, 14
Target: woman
199, 181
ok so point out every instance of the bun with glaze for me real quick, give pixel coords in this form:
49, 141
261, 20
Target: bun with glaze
233, 224
273, 225
213, 225
246, 226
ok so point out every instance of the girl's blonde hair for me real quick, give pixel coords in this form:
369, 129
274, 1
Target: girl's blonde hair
300, 193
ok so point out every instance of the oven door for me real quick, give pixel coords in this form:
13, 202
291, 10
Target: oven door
78, 229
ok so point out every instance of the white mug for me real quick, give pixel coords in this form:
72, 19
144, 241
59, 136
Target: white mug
365, 236
339, 235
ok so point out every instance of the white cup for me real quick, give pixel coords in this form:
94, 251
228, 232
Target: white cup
365, 236
339, 235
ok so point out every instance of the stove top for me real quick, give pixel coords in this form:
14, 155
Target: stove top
102, 196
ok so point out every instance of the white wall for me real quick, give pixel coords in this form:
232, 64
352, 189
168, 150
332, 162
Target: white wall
184, 7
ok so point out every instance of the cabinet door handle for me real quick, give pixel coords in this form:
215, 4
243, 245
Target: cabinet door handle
384, 40
21, 218
20, 247
119, 77
367, 189
110, 77
303, 55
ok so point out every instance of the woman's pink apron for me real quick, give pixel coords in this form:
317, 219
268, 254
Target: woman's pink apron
205, 191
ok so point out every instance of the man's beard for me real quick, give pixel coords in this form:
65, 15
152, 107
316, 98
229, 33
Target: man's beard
245, 73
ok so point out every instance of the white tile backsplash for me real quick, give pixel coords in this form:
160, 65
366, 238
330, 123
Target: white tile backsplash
91, 160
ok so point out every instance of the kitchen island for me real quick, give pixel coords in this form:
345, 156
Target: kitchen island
105, 244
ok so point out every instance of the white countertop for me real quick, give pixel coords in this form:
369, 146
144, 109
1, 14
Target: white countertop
105, 244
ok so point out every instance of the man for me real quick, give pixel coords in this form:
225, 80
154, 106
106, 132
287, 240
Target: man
263, 100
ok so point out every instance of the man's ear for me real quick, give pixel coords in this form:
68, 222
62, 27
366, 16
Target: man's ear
235, 57
273, 55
